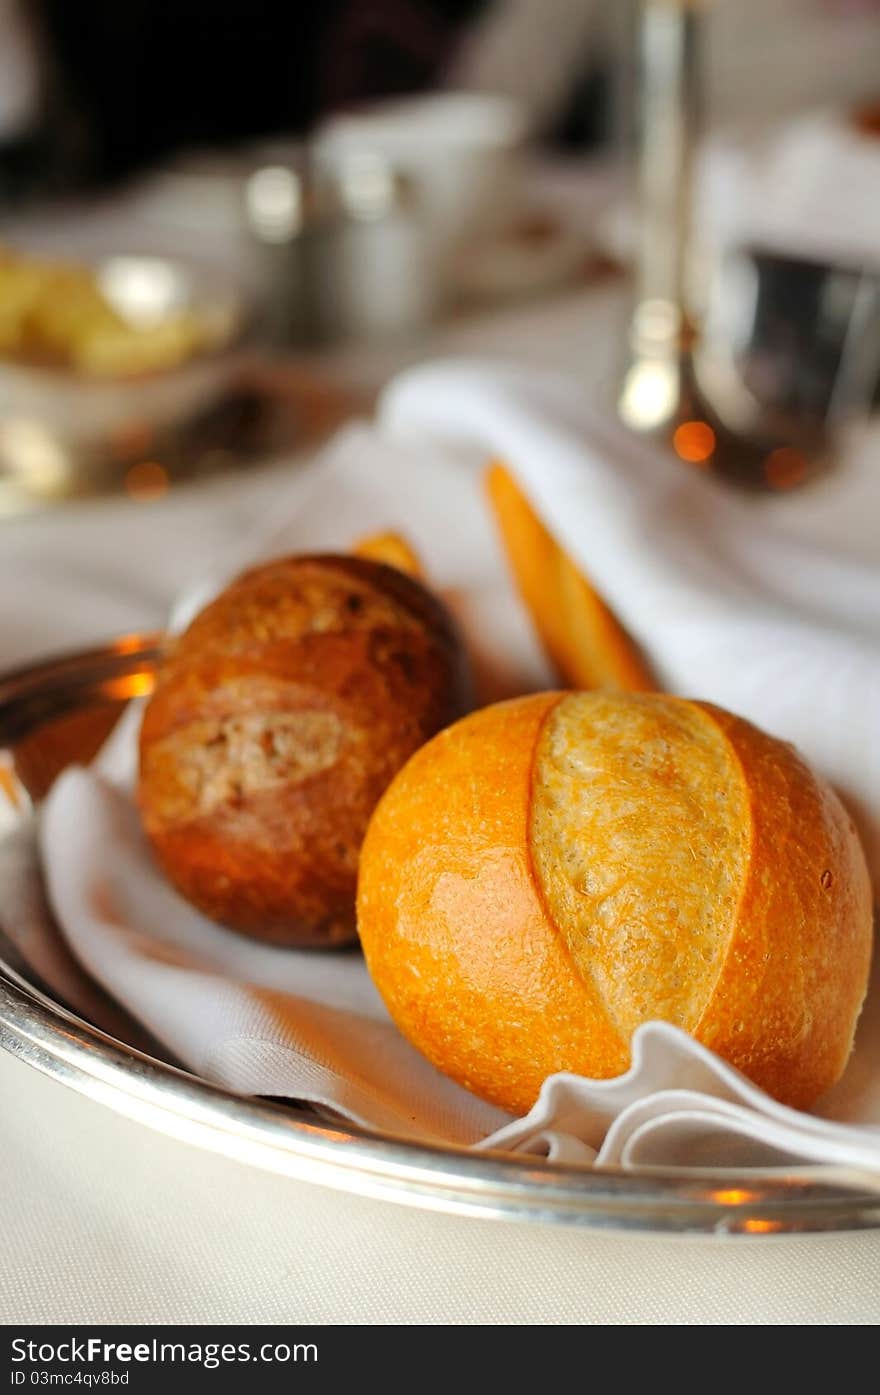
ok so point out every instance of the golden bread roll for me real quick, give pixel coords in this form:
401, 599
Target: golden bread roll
551, 872
278, 719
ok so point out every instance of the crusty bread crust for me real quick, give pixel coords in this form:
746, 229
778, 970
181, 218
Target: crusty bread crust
796, 971
452, 922
279, 718
639, 828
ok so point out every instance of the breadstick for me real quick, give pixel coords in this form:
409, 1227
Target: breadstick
580, 635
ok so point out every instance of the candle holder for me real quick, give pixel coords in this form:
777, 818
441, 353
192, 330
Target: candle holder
714, 403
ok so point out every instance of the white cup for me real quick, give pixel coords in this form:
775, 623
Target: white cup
463, 152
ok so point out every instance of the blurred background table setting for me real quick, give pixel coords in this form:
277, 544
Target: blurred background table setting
645, 235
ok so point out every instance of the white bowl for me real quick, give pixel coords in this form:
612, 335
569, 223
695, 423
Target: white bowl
49, 414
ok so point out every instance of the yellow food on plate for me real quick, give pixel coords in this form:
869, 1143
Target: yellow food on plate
551, 872
59, 314
581, 636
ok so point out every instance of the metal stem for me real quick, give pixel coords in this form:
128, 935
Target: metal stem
668, 134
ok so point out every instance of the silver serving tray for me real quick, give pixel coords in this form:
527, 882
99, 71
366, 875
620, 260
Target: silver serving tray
57, 713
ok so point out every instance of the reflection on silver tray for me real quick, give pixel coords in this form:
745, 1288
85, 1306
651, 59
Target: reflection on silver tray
60, 712
264, 410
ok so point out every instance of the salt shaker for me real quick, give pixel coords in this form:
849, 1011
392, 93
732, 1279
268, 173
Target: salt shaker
275, 211
370, 266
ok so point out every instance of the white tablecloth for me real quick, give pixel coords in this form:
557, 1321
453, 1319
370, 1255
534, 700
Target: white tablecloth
103, 1220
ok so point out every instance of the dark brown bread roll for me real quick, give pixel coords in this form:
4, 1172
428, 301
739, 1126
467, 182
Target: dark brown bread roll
279, 718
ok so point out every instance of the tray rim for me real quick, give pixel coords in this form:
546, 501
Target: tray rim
50, 1038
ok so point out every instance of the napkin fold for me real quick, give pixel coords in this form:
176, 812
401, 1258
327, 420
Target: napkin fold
731, 604
807, 187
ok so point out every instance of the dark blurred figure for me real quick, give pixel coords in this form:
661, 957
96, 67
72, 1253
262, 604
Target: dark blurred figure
145, 77
120, 84
96, 89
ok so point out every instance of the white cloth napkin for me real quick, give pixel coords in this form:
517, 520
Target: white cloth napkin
808, 187
730, 606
